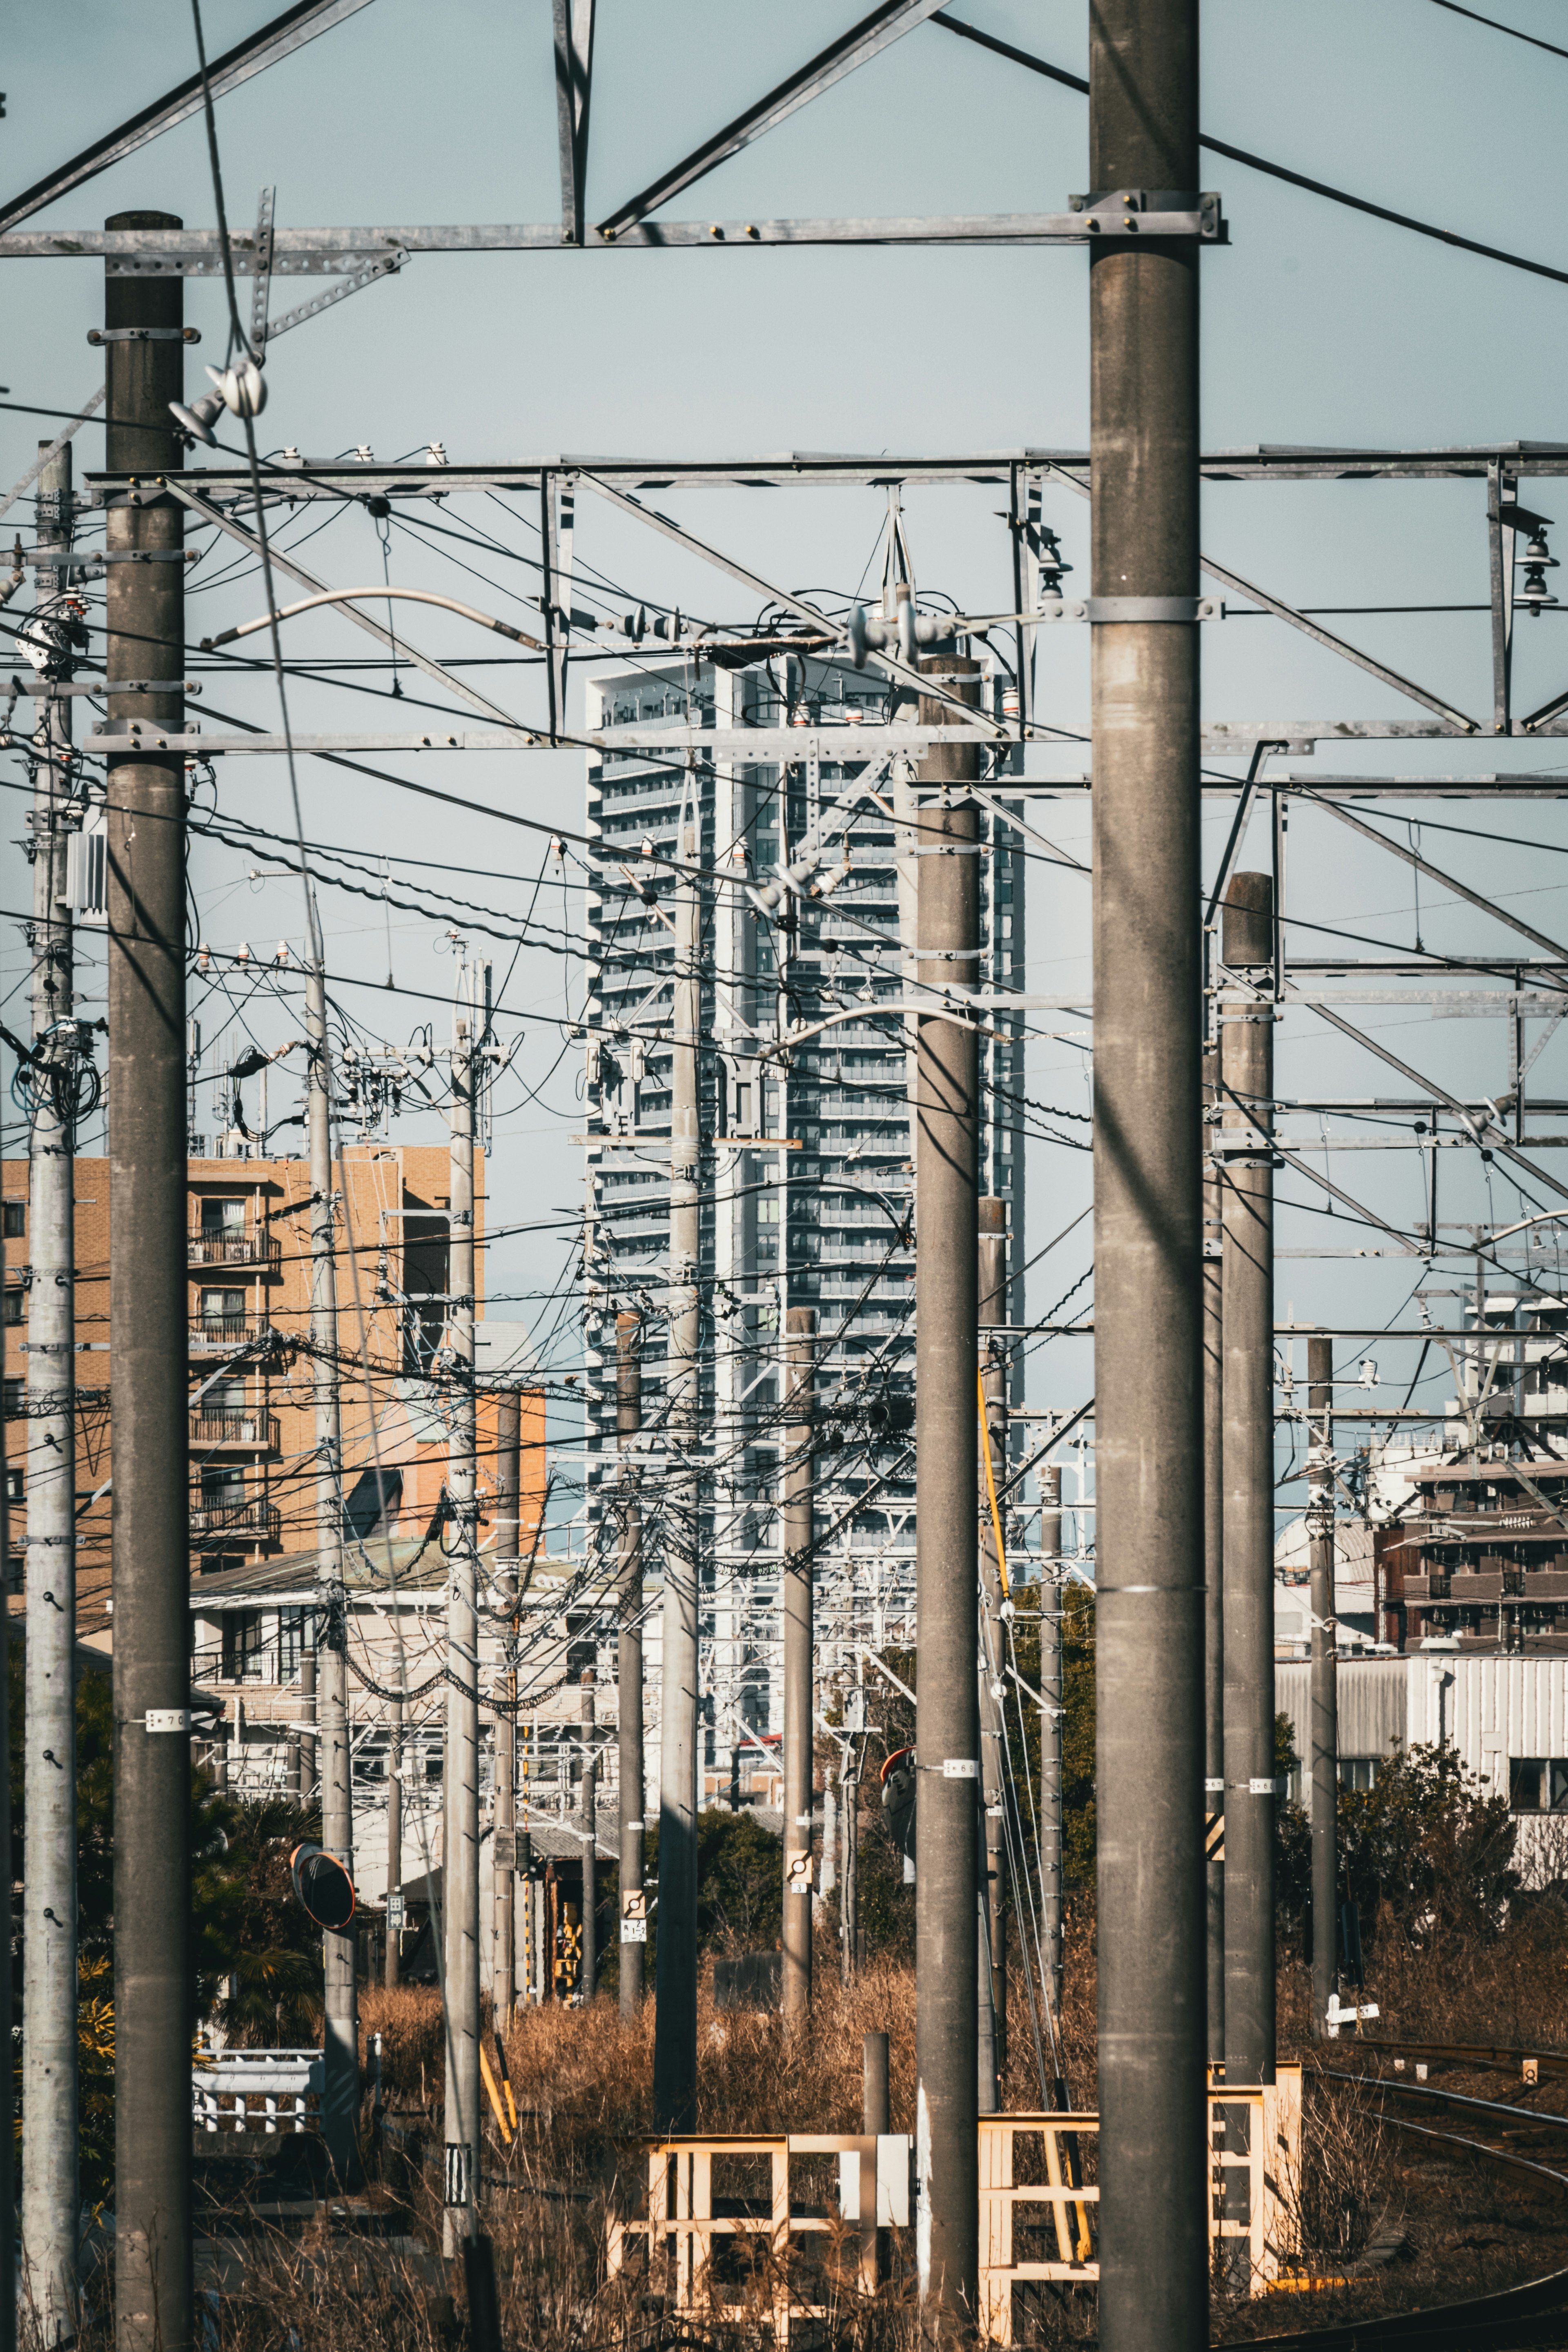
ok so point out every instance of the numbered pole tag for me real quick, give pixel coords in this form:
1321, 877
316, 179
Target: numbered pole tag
633, 1931
960, 1768
395, 1913
633, 1915
168, 1718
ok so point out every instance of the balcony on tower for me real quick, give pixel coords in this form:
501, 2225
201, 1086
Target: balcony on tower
227, 1232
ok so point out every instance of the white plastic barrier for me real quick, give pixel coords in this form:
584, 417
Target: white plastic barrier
264, 2091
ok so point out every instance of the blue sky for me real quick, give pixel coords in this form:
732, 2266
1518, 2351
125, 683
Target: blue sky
1319, 326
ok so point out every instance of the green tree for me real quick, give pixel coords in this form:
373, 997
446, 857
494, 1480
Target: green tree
1292, 1848
740, 1882
256, 1958
258, 1955
1426, 1850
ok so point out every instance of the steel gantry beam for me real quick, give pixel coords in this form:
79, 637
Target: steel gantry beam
767, 469
198, 252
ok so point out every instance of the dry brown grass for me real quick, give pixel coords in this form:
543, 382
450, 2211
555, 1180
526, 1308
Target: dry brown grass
583, 2082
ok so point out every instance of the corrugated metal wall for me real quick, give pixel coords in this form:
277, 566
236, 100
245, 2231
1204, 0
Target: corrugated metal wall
1489, 1708
1374, 1706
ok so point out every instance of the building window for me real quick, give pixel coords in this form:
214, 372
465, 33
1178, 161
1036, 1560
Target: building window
16, 1220
424, 1283
223, 1221
1358, 1771
16, 1485
295, 1636
222, 1497
13, 1310
1538, 1784
223, 1313
15, 1569
242, 1645
15, 1399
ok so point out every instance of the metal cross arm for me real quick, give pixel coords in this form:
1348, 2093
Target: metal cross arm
283, 563
1485, 1129
1325, 637
884, 661
277, 38
886, 24
1435, 873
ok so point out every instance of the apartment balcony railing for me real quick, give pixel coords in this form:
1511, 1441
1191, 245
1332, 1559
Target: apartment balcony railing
255, 1433
249, 1247
254, 1517
225, 1331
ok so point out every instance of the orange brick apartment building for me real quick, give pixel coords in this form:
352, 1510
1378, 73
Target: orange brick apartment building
252, 1420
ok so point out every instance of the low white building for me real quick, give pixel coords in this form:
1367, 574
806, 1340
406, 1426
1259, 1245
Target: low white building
1505, 1716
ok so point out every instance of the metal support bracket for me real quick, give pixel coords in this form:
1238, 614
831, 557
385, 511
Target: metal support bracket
1101, 610
143, 334
1155, 212
49, 560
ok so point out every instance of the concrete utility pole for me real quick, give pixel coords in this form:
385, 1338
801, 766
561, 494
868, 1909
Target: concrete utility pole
393, 1968
8, 1978
992, 1959
631, 1768
947, 1565
503, 1857
1143, 364
51, 2205
149, 1342
461, 1851
587, 1821
1324, 1760
799, 1637
1213, 1555
850, 1771
1247, 1074
1052, 1587
675, 2027
339, 2101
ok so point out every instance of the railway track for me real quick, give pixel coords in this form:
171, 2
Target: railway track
1536, 2312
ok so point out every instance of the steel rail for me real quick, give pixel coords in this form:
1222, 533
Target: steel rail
1488, 2318
1479, 2054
